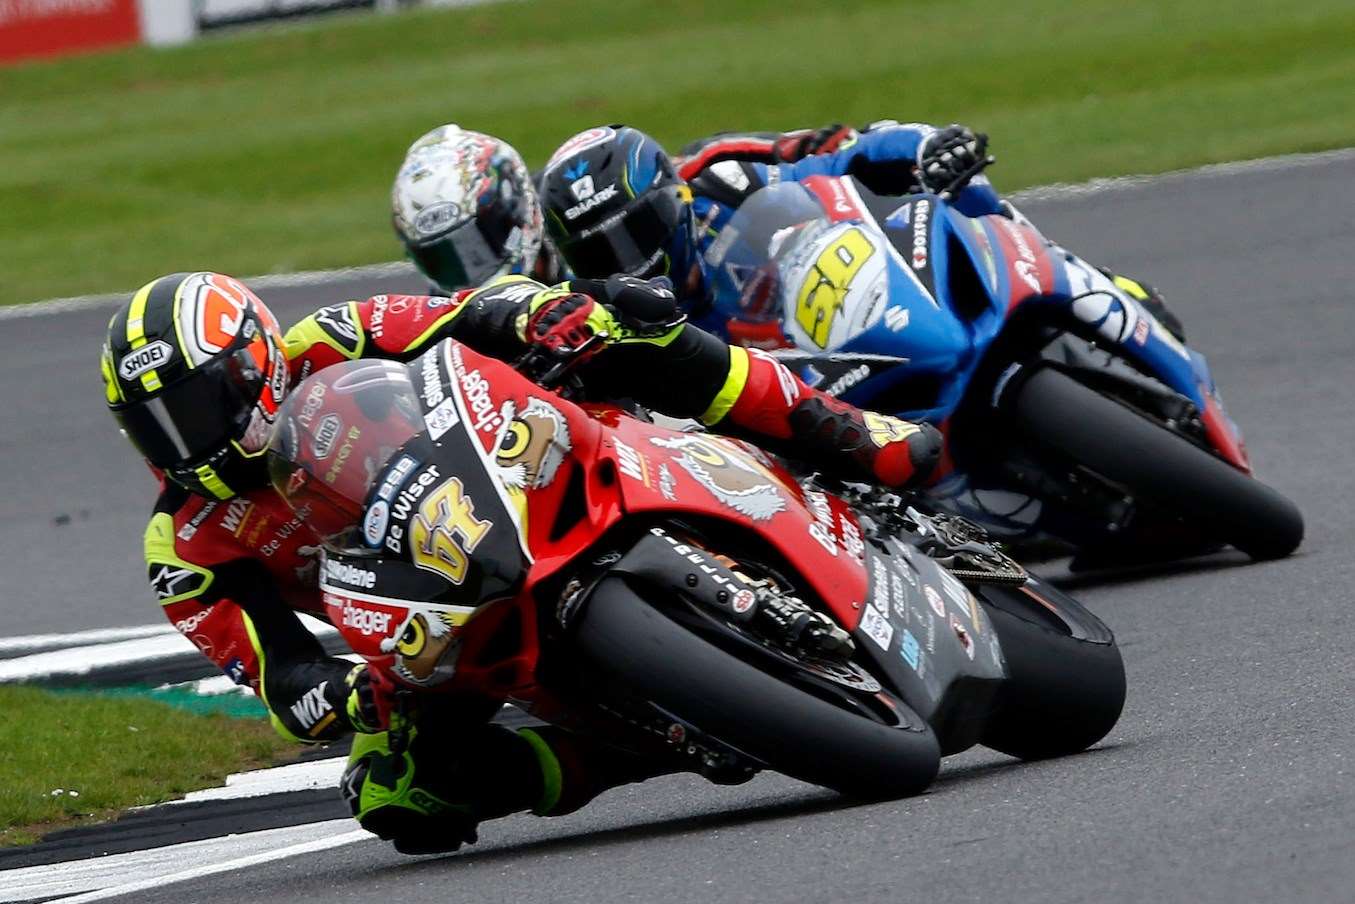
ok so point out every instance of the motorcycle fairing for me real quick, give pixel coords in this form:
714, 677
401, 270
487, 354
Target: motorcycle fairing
943, 336
936, 632
664, 471
377, 605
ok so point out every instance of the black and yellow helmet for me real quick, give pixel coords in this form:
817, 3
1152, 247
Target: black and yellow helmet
194, 370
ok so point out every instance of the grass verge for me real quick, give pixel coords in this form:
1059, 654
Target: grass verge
75, 758
270, 150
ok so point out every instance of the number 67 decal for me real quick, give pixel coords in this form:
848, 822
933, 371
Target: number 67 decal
445, 531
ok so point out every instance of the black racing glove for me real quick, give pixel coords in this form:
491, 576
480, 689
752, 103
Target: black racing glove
642, 309
947, 154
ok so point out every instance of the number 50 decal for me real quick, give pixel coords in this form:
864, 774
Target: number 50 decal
825, 287
445, 532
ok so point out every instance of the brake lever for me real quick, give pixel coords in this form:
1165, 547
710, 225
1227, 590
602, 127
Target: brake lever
954, 188
549, 370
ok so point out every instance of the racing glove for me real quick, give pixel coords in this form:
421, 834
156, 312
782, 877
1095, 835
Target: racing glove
369, 700
642, 309
566, 325
802, 143
947, 154
574, 322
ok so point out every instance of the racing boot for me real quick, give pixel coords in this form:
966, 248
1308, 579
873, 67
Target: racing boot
831, 436
1151, 299
428, 793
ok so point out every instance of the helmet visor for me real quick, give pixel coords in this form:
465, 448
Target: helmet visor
633, 241
196, 416
462, 258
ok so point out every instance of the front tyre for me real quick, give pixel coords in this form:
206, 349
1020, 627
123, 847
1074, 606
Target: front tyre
791, 730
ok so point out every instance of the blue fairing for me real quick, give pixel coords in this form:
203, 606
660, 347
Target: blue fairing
939, 340
948, 292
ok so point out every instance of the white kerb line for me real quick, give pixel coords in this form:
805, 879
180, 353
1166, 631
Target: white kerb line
227, 866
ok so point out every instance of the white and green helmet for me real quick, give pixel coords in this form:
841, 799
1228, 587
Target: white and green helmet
464, 207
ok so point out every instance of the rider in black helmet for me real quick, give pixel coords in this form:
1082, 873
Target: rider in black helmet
615, 202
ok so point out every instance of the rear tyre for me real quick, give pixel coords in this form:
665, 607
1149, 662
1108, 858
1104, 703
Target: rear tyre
1063, 693
1055, 411
789, 729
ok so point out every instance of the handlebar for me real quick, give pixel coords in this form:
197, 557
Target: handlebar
985, 160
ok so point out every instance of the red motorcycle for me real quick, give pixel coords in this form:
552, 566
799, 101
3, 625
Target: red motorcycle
680, 594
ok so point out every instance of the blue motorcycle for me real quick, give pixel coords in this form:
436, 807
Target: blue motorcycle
1071, 414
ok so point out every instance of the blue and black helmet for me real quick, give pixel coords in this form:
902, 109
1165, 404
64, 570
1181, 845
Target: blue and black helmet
614, 204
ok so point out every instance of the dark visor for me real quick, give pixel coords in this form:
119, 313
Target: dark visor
197, 415
464, 257
632, 241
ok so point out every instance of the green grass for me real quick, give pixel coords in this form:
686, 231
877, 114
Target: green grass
108, 753
273, 150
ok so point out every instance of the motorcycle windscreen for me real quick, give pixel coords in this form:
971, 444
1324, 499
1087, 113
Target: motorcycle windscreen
746, 283
355, 458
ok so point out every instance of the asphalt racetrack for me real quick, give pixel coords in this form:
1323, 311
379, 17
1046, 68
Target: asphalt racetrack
1229, 777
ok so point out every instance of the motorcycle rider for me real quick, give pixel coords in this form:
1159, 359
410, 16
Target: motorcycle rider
195, 368
616, 202
464, 207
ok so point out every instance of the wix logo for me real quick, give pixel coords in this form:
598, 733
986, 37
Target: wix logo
312, 708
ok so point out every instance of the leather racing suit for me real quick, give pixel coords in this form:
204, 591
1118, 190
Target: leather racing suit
231, 575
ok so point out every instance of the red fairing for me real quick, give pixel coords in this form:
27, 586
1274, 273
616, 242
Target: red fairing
1030, 270
1220, 433
550, 455
663, 470
542, 443
539, 443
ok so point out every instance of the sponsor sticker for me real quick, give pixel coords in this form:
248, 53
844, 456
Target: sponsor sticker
592, 199
351, 575
877, 627
148, 357
395, 476
667, 483
910, 649
589, 138
965, 638
934, 600
366, 621
742, 601
322, 444
732, 476
375, 523
440, 419
436, 218
921, 218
